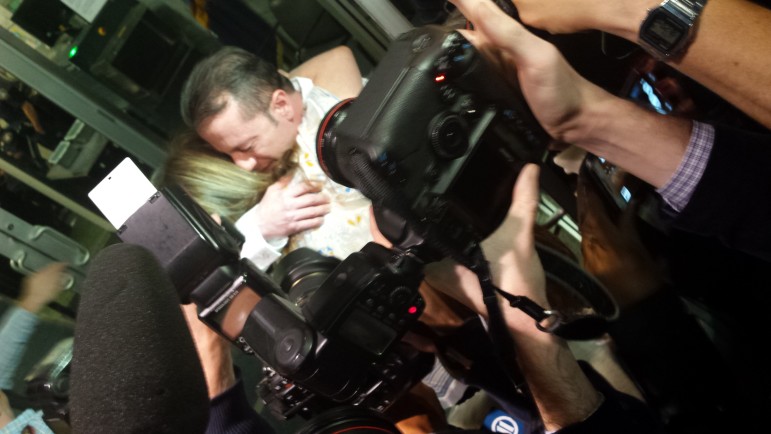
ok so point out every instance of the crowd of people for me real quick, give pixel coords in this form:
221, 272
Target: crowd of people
692, 355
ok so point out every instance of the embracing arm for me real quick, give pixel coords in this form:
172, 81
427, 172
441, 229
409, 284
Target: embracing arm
335, 70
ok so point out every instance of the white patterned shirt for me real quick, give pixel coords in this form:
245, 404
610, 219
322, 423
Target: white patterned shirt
346, 228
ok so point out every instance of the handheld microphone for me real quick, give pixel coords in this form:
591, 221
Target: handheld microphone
135, 367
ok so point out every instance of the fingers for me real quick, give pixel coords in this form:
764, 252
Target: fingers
308, 213
310, 199
304, 225
301, 188
494, 26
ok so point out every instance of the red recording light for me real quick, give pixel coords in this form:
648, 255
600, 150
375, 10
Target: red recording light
440, 78
412, 310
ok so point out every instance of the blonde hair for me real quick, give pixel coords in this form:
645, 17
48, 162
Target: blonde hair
212, 180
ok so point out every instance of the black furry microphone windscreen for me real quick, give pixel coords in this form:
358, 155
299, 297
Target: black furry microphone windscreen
135, 367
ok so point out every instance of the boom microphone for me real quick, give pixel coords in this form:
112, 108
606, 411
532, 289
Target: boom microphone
135, 367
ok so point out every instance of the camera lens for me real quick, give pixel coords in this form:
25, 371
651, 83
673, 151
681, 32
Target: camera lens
326, 142
301, 272
350, 420
449, 135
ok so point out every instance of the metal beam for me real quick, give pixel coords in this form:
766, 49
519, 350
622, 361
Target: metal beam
79, 94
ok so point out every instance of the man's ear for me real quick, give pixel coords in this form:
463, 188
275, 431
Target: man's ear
280, 106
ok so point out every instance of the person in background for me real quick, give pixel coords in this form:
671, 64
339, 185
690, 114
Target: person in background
16, 327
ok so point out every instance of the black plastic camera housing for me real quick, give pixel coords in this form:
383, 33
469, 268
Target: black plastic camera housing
441, 130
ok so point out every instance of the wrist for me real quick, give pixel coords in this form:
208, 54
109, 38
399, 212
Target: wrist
31, 306
623, 18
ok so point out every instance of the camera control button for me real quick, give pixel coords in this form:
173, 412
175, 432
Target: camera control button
400, 296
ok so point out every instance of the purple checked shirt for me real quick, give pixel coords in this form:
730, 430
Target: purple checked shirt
679, 189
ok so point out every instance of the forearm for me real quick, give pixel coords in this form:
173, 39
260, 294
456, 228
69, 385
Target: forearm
334, 70
15, 330
560, 389
728, 54
647, 144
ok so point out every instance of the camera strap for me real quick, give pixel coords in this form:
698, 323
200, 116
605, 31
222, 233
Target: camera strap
557, 268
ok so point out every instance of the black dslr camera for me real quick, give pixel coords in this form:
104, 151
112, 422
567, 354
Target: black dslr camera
436, 138
331, 336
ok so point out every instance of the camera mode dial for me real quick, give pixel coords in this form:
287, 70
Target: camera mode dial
457, 57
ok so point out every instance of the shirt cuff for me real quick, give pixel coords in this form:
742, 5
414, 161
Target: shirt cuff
680, 187
262, 252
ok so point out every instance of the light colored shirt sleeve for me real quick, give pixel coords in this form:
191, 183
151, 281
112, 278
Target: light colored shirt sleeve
256, 248
28, 419
15, 331
678, 190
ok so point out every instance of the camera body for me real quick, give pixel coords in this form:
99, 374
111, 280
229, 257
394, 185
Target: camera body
329, 337
442, 129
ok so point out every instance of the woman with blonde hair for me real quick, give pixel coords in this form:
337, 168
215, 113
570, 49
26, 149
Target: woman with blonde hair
212, 180
220, 187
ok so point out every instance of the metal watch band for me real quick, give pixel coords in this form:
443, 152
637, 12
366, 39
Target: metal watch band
686, 12
687, 8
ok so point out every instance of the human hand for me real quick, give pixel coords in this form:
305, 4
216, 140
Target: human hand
287, 208
555, 92
613, 252
42, 287
510, 250
213, 351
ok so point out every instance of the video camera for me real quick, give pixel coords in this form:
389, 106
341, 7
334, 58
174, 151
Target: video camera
436, 141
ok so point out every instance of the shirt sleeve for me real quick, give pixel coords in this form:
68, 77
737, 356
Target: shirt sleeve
618, 412
679, 189
17, 326
230, 413
256, 248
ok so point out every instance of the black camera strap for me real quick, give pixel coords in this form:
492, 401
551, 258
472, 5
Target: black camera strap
557, 268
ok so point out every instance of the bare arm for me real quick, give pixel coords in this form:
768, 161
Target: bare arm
334, 70
729, 54
561, 390
570, 108
214, 352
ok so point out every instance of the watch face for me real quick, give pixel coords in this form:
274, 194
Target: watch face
663, 31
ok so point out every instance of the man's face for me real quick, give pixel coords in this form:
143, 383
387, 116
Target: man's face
253, 144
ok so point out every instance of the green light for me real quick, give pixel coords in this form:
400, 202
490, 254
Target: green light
73, 51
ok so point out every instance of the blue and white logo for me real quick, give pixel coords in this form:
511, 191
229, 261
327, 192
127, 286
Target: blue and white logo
500, 422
